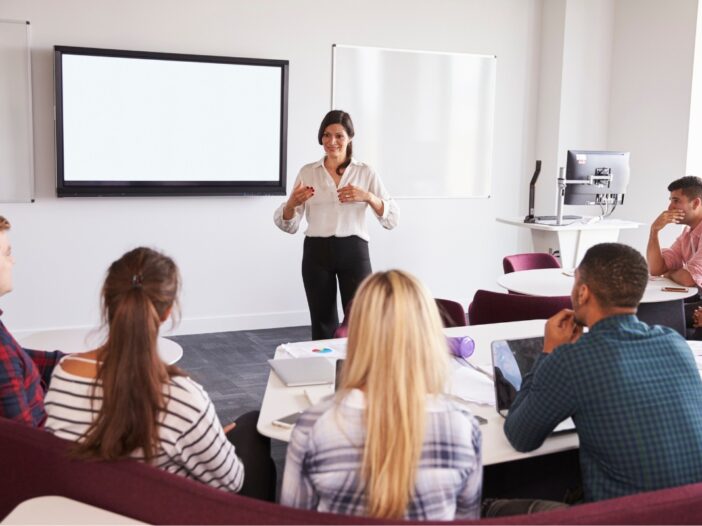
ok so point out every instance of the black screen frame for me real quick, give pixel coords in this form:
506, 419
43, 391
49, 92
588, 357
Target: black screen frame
166, 188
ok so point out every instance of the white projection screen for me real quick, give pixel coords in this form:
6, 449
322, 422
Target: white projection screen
423, 120
133, 123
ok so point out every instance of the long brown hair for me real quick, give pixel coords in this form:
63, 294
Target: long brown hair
343, 118
140, 289
397, 355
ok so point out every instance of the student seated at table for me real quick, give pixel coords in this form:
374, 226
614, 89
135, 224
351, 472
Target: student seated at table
633, 390
389, 444
24, 374
120, 400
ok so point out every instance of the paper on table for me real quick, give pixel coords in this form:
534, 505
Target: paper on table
472, 386
696, 347
336, 349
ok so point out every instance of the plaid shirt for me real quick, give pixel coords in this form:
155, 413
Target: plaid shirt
24, 377
635, 396
322, 468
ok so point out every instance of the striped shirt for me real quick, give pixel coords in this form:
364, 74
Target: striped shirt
635, 396
323, 464
191, 440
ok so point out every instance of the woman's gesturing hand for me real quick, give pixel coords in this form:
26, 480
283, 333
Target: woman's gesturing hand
300, 194
351, 193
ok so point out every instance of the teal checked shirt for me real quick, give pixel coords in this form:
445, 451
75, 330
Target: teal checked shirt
635, 395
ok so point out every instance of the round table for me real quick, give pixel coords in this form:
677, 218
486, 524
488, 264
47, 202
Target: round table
559, 282
81, 340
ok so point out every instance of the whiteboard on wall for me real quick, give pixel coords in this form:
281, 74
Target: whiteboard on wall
423, 120
16, 144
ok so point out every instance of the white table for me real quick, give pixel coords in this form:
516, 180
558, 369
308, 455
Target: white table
280, 400
62, 510
80, 340
571, 241
559, 282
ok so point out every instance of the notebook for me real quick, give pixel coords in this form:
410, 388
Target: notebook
511, 361
295, 372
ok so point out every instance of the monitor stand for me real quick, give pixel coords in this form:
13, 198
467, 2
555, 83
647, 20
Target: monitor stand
530, 218
553, 218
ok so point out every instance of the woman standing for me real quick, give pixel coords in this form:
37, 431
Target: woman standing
389, 444
333, 194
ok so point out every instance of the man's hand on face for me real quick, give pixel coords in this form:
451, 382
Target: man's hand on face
561, 328
666, 218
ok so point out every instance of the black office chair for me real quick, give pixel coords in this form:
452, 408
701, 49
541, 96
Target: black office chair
668, 313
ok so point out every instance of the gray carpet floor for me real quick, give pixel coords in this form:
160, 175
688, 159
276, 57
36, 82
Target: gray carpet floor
232, 368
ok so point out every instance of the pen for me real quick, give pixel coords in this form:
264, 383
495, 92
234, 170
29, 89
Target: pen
674, 289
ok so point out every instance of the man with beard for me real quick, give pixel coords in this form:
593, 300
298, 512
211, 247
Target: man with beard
633, 390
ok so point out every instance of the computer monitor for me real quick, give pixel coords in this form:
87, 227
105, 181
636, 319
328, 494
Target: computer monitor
607, 173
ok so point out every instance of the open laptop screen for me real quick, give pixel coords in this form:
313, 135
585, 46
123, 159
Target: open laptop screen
511, 361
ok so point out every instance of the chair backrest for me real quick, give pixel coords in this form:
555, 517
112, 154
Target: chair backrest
342, 331
497, 307
529, 261
452, 313
668, 313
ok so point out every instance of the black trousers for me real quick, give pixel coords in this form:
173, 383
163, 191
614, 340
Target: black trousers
254, 450
324, 260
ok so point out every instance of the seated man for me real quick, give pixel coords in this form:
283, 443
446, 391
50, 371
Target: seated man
633, 390
682, 262
24, 374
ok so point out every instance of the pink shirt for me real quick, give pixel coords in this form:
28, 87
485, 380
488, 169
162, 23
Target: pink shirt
686, 252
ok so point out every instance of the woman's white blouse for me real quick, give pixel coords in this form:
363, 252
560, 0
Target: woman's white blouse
326, 215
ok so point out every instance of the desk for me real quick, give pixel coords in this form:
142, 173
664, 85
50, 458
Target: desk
61, 510
80, 340
571, 241
656, 307
554, 282
280, 400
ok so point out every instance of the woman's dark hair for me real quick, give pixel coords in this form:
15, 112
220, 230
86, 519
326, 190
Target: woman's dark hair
140, 289
343, 118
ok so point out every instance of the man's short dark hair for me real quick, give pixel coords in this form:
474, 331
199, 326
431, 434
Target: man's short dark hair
690, 185
616, 274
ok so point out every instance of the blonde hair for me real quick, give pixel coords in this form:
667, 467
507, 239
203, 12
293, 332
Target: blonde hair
397, 355
4, 224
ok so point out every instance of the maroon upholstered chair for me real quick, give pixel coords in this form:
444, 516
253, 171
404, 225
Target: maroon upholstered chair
451, 312
529, 261
35, 463
497, 307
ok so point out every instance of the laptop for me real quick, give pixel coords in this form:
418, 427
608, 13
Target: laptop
296, 372
511, 361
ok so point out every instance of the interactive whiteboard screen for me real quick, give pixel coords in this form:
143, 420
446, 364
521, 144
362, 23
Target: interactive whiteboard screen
131, 123
423, 120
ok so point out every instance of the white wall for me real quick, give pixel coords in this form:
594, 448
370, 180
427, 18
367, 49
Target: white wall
694, 140
653, 53
240, 271
574, 88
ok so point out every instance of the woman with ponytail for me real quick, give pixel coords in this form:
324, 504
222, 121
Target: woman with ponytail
333, 194
389, 444
120, 400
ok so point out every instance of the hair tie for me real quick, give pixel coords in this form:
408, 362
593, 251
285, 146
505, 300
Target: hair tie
137, 281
